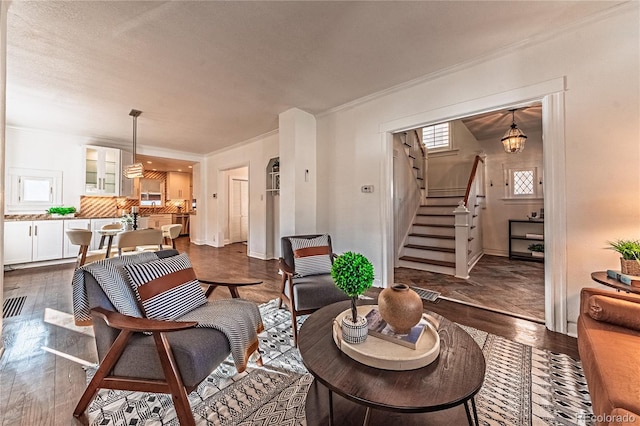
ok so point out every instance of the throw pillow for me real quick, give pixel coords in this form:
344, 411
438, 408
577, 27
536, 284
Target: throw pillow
615, 311
166, 288
312, 256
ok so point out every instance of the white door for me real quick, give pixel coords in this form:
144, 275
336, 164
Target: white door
239, 211
17, 242
47, 239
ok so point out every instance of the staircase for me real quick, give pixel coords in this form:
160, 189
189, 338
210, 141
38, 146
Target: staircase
430, 244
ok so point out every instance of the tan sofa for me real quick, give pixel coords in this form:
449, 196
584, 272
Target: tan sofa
609, 346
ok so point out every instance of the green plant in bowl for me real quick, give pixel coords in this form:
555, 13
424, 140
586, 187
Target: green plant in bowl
353, 274
628, 249
61, 210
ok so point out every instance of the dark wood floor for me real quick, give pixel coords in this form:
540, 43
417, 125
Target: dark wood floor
41, 378
496, 283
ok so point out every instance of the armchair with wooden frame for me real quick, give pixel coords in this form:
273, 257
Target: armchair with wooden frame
304, 295
172, 357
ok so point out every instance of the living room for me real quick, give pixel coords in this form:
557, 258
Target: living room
584, 71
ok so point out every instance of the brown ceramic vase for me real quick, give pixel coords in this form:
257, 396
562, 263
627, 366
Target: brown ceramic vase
400, 307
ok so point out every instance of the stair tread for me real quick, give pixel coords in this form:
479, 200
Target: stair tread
436, 214
445, 196
432, 248
442, 237
428, 261
439, 205
434, 225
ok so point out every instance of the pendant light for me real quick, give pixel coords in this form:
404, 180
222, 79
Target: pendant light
134, 170
514, 139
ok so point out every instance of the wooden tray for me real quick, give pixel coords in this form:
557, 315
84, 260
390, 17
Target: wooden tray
386, 355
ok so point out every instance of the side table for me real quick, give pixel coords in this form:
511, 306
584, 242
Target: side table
602, 278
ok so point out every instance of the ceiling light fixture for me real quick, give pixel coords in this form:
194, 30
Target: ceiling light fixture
514, 139
134, 170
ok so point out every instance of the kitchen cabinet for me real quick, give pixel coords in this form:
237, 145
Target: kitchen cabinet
71, 250
158, 220
178, 186
102, 171
32, 241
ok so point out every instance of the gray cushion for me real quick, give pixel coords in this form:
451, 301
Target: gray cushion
197, 351
314, 292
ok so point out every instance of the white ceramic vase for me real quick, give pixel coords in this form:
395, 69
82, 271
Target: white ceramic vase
354, 332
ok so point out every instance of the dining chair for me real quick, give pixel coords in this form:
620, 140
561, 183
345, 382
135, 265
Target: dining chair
171, 232
82, 238
129, 241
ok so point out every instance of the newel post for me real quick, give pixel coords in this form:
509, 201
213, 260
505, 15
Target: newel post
462, 229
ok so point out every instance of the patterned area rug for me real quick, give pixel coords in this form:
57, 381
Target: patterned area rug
523, 386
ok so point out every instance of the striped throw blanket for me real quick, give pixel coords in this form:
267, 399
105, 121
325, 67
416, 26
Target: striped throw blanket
239, 320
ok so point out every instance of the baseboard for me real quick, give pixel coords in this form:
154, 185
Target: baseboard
257, 255
572, 329
38, 264
500, 253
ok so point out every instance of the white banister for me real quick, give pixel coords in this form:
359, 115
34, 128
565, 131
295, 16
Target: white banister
462, 231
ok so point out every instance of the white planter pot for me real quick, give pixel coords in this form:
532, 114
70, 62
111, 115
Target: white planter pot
354, 332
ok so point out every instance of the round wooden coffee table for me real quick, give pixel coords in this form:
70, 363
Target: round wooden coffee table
453, 379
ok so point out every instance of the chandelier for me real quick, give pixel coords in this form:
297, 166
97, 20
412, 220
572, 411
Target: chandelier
514, 139
134, 170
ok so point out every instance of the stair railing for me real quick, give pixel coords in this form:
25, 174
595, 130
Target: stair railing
468, 229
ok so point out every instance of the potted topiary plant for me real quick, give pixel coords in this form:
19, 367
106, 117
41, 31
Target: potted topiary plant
630, 255
353, 274
537, 250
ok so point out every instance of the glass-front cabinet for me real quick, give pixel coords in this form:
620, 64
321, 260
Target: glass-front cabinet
102, 171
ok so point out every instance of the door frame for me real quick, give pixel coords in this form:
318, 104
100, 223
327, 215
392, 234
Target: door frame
551, 94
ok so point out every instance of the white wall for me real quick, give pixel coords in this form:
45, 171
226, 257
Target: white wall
406, 193
35, 149
600, 64
450, 170
495, 218
255, 155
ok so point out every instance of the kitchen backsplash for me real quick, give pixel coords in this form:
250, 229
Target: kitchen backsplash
109, 206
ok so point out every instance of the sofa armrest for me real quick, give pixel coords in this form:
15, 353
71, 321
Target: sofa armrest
587, 292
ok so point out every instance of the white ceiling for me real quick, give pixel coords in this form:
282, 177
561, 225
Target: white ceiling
207, 75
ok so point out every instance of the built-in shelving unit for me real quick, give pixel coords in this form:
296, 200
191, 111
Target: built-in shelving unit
273, 179
523, 233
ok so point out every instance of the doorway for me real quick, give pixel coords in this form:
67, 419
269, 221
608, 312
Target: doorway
511, 194
237, 205
551, 93
238, 210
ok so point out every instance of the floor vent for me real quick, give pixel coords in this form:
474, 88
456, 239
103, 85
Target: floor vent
429, 295
13, 306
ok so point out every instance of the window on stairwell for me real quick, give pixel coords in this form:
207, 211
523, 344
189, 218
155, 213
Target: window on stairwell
436, 137
523, 182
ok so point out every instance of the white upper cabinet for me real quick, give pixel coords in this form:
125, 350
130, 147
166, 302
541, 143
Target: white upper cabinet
102, 171
178, 186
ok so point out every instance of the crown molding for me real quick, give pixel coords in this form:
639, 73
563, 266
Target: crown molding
528, 42
245, 142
